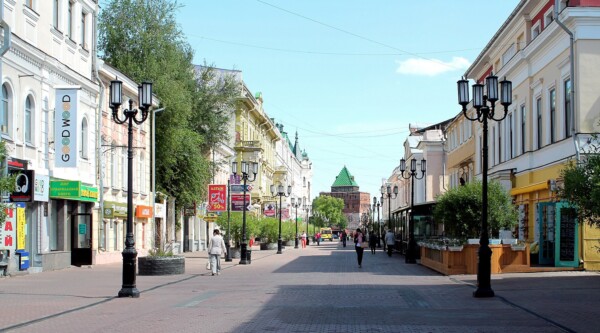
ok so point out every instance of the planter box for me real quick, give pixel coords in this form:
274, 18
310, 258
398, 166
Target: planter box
161, 265
455, 248
504, 260
268, 246
473, 241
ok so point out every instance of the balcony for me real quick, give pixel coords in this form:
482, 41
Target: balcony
246, 146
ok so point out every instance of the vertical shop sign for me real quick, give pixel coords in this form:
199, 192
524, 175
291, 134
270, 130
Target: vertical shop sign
65, 124
217, 198
21, 226
8, 232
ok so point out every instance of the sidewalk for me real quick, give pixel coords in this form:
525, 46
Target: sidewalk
286, 292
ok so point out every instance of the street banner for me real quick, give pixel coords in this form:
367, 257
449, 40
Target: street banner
65, 125
270, 210
237, 202
217, 198
237, 188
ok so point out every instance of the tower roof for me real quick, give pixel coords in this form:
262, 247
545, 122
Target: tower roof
344, 179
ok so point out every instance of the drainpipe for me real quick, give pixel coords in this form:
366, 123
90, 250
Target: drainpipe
572, 76
99, 156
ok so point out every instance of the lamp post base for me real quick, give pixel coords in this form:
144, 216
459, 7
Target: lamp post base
279, 246
244, 254
228, 255
483, 292
296, 243
484, 271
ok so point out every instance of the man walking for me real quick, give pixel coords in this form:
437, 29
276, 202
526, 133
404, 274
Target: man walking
389, 241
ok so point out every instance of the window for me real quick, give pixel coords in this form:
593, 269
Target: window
568, 111
538, 107
84, 139
143, 182
548, 17
510, 136
70, 21
552, 114
28, 119
500, 157
29, 3
114, 167
535, 30
523, 128
83, 30
6, 109
124, 178
508, 54
493, 152
56, 17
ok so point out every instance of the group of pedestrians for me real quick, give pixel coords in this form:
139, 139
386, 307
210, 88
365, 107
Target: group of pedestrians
360, 243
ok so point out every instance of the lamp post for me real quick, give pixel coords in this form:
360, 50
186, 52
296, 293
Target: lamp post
128, 289
307, 208
386, 192
296, 205
228, 241
245, 177
411, 255
485, 112
377, 204
281, 193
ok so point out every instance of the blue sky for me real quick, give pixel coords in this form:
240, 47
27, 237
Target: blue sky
349, 76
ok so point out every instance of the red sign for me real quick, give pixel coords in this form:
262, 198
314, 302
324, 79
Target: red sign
237, 202
217, 198
270, 210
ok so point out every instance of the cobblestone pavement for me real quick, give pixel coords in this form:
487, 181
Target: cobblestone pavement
317, 289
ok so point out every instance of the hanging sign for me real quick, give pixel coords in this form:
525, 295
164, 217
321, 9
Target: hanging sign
65, 124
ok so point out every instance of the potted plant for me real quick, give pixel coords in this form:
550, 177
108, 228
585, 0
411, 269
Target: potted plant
160, 262
268, 231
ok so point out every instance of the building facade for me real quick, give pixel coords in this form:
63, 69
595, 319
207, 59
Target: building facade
357, 205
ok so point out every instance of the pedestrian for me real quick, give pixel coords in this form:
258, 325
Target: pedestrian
358, 240
384, 247
344, 235
389, 241
318, 238
303, 239
372, 242
216, 247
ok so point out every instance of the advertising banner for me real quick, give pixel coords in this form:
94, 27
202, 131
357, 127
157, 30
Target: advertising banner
217, 198
24, 183
8, 232
237, 202
65, 125
270, 210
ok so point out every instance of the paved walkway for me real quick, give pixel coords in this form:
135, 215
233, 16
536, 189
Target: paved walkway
317, 289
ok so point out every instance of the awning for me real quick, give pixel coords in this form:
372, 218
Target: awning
530, 188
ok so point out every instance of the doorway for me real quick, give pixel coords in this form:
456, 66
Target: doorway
81, 239
558, 234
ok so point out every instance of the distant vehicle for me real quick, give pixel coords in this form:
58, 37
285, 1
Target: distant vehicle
335, 236
326, 234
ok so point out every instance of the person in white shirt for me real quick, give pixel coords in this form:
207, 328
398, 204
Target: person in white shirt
216, 247
389, 241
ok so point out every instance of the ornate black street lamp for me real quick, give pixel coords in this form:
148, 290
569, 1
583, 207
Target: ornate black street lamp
307, 208
485, 112
128, 289
280, 192
228, 240
246, 178
386, 192
377, 204
296, 205
411, 252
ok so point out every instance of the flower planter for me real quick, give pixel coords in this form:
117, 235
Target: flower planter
161, 265
518, 247
268, 246
455, 248
473, 241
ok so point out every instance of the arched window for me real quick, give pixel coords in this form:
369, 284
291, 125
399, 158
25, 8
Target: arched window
142, 174
124, 175
83, 152
6, 109
28, 129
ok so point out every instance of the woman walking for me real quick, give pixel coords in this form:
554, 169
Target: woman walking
216, 247
359, 238
304, 239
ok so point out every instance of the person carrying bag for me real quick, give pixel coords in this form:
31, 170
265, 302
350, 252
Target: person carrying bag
359, 240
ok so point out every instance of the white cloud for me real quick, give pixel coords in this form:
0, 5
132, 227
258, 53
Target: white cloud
431, 67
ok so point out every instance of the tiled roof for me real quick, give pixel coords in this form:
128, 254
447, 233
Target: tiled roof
344, 179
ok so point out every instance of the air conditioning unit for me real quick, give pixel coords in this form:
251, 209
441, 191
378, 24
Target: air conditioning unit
552, 185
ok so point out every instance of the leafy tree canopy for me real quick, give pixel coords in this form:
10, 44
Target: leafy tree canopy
460, 210
328, 211
582, 187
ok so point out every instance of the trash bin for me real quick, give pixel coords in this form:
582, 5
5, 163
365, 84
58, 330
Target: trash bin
23, 260
249, 256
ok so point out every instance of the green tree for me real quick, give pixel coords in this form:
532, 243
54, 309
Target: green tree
143, 40
460, 210
328, 211
582, 187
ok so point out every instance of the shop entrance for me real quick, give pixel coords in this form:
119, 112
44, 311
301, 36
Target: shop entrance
558, 234
81, 239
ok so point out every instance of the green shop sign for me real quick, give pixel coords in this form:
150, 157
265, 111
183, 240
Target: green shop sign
114, 209
72, 190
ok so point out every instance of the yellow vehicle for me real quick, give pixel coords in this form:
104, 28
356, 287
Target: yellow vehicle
326, 234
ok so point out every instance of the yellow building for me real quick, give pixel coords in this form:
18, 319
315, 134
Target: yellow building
554, 80
255, 138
